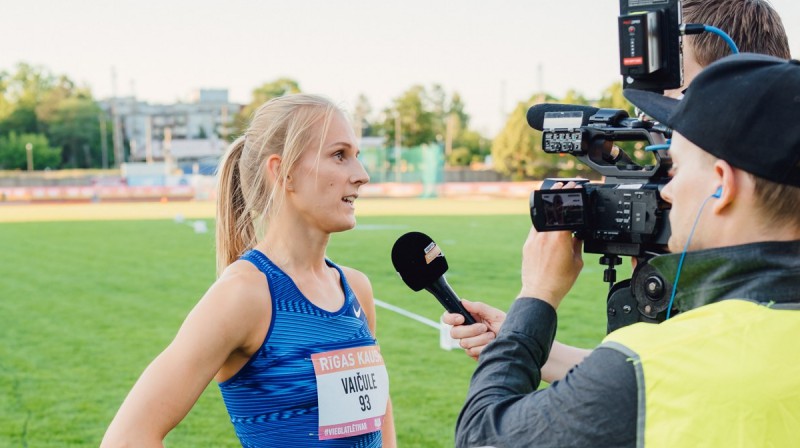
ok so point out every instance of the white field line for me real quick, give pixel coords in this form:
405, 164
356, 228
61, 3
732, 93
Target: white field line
408, 314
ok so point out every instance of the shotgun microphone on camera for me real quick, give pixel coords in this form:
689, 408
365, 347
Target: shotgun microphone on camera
589, 116
536, 113
421, 265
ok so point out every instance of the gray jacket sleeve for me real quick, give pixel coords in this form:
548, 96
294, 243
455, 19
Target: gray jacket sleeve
594, 405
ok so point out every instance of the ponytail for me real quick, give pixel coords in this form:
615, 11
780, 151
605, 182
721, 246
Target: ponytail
235, 232
246, 199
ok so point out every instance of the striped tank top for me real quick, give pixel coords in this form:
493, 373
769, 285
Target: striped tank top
272, 400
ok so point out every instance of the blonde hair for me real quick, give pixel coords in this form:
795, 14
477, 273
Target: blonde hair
284, 126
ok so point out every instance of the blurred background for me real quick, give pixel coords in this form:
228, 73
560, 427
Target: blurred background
146, 94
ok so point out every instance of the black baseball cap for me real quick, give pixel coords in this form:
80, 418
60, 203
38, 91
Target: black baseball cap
744, 109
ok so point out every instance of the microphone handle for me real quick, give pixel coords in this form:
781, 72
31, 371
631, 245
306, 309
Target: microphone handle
449, 300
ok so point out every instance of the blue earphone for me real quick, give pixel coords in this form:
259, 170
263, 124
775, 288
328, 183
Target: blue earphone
717, 194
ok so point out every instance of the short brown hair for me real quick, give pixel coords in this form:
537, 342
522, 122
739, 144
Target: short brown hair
780, 202
754, 26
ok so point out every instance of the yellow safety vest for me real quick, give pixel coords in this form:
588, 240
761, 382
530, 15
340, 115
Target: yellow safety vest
722, 375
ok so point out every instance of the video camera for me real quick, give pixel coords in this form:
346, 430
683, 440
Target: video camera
623, 216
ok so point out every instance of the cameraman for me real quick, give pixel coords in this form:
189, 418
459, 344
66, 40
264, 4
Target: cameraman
756, 28
723, 372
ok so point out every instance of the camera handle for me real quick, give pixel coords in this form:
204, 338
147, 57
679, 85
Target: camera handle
610, 274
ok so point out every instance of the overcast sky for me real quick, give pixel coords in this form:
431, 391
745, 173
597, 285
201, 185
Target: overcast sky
490, 51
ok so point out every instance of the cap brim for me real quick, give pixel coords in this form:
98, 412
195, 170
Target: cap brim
653, 104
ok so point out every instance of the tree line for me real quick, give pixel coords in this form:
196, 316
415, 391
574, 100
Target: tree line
418, 116
62, 124
51, 115
517, 149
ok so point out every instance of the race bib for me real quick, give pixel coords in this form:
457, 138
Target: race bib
352, 390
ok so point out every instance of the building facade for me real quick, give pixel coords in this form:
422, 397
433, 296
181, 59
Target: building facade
178, 133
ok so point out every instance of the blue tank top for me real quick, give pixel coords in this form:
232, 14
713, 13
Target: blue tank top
272, 400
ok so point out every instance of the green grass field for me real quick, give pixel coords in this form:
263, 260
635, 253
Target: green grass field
85, 306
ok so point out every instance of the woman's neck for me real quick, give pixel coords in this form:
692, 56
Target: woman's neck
295, 246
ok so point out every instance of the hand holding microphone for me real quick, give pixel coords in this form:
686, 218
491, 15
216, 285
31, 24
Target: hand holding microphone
474, 338
421, 265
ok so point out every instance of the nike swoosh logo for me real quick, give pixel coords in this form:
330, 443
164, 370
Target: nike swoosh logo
357, 312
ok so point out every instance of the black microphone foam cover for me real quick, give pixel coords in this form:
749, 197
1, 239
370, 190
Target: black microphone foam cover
537, 111
418, 260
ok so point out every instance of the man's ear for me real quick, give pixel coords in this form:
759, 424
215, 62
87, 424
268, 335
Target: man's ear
729, 181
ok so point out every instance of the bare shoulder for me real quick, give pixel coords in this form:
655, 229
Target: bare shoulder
359, 282
241, 292
228, 319
241, 275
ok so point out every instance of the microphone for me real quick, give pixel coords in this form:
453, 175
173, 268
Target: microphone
421, 265
611, 117
537, 111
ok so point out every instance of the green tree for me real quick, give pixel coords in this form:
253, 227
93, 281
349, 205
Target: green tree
469, 147
513, 148
573, 97
428, 115
439, 108
74, 125
416, 118
35, 101
23, 91
60, 90
22, 118
6, 107
457, 107
14, 154
517, 149
262, 94
424, 114
612, 98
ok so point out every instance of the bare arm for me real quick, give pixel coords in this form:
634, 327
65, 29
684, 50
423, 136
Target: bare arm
474, 338
224, 321
561, 360
363, 290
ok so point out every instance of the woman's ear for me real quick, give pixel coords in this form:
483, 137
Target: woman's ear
273, 168
289, 184
274, 172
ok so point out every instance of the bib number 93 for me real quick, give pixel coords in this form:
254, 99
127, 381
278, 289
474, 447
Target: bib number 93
364, 401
